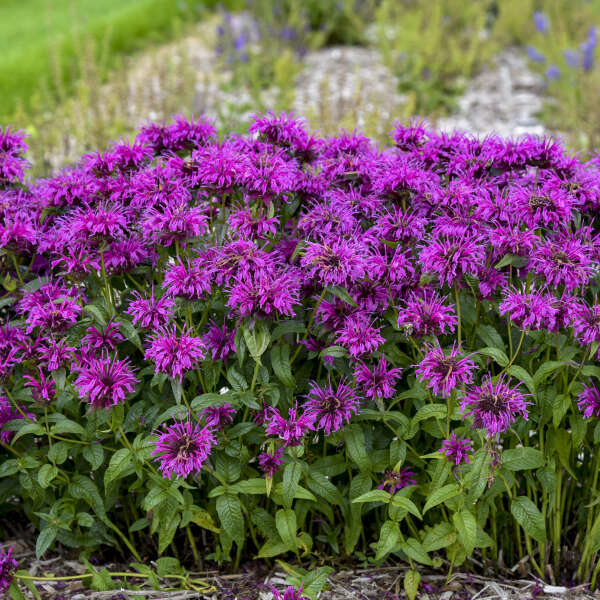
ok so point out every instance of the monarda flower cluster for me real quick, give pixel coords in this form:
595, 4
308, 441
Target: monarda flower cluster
292, 288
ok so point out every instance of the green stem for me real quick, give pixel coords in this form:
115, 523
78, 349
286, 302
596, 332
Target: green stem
458, 331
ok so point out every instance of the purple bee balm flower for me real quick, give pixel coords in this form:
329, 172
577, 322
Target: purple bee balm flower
291, 593
396, 480
266, 292
174, 222
219, 416
107, 339
427, 315
452, 257
191, 280
378, 381
586, 323
331, 408
292, 430
56, 353
43, 389
220, 341
494, 406
358, 335
270, 462
335, 262
529, 310
588, 402
249, 226
563, 261
7, 567
105, 381
443, 372
173, 354
456, 449
151, 313
183, 448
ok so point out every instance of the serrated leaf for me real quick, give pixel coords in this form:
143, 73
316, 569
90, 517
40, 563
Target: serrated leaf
342, 294
374, 496
522, 375
545, 370
94, 454
521, 459
131, 333
44, 540
498, 355
529, 517
430, 411
466, 527
441, 495
406, 504
230, 514
120, 462
413, 549
67, 426
46, 475
412, 579
356, 446
389, 536
280, 361
291, 478
285, 521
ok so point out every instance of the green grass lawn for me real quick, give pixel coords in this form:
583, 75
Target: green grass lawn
42, 42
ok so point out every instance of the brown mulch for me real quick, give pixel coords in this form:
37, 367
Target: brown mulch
254, 582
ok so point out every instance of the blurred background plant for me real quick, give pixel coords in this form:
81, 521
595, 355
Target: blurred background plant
562, 48
76, 75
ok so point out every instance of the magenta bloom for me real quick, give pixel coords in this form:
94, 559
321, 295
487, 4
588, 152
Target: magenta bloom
586, 323
378, 382
427, 315
250, 227
191, 280
494, 406
219, 416
396, 480
183, 448
105, 381
291, 593
452, 257
220, 341
7, 567
270, 462
530, 310
43, 389
456, 449
331, 408
107, 339
442, 372
335, 262
175, 354
588, 402
151, 313
292, 430
359, 336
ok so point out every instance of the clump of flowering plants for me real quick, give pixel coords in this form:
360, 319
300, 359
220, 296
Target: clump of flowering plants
280, 344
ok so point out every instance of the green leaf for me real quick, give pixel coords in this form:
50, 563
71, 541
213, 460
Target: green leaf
250, 486
438, 496
522, 375
286, 327
466, 527
320, 485
374, 496
498, 355
439, 536
9, 467
490, 336
28, 428
67, 426
120, 462
44, 540
257, 340
412, 579
529, 518
545, 370
236, 379
560, 406
272, 547
230, 514
413, 549
334, 351
97, 314
291, 478
389, 537
130, 332
342, 294
285, 521
521, 459
46, 475
406, 504
85, 489
356, 446
430, 411
280, 360
94, 454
